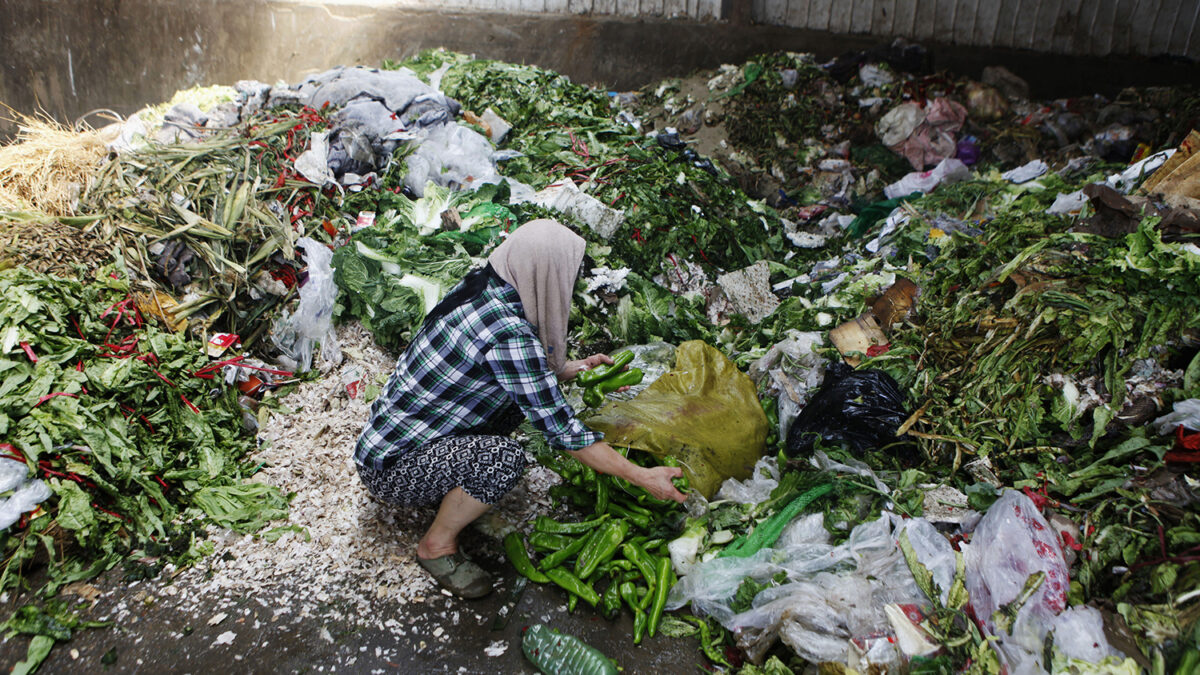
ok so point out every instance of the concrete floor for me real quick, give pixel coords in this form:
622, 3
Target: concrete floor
156, 635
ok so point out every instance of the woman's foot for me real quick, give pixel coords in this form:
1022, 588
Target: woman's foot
458, 574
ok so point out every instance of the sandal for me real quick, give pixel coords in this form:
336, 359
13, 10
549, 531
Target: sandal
458, 574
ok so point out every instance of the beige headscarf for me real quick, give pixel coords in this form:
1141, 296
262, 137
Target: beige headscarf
541, 260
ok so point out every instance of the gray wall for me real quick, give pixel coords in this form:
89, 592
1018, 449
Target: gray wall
69, 57
1076, 27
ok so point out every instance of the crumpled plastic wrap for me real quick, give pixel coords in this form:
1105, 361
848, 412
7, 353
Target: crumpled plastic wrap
834, 594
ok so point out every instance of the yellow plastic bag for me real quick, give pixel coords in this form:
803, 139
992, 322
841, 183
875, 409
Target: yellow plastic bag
705, 413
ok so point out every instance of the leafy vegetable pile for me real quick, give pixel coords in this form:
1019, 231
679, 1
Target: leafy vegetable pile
140, 447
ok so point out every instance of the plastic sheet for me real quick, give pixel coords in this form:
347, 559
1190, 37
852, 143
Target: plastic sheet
862, 408
704, 412
1012, 542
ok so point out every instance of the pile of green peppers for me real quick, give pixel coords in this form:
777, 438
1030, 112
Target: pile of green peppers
616, 559
602, 380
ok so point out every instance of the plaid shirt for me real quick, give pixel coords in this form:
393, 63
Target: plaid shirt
459, 372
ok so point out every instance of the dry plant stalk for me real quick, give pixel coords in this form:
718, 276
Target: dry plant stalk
47, 166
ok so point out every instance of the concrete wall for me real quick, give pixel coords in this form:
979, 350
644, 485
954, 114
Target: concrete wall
70, 57
1076, 27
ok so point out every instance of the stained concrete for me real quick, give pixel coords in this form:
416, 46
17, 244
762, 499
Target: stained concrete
160, 631
72, 57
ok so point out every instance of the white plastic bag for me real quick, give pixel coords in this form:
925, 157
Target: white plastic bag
947, 171
1012, 542
27, 494
312, 322
1184, 413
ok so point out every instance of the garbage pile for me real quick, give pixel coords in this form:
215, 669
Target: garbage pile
971, 321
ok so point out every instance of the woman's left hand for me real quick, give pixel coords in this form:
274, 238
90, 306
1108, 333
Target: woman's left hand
572, 368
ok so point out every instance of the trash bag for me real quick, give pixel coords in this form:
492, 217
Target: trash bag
1012, 543
862, 408
704, 412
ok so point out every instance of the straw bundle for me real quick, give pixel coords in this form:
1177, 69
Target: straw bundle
47, 166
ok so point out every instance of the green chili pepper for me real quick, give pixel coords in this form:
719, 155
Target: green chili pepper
560, 556
612, 600
572, 600
629, 595
573, 584
519, 557
544, 541
634, 554
706, 643
594, 395
602, 372
602, 495
545, 524
602, 547
638, 519
663, 572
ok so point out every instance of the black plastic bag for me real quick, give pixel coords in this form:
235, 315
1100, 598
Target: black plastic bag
859, 408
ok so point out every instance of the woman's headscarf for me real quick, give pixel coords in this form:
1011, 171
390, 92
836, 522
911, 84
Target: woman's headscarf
541, 260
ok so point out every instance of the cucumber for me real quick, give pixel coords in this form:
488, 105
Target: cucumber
556, 653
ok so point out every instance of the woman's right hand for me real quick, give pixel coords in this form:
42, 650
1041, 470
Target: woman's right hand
657, 481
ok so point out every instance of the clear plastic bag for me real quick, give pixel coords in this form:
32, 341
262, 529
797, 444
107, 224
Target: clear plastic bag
295, 334
1012, 542
754, 489
835, 593
792, 370
27, 494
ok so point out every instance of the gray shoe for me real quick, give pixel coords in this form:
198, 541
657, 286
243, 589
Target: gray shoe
459, 574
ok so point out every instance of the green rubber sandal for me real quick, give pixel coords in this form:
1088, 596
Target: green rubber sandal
458, 574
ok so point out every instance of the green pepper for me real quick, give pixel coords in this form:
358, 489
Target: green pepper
594, 395
611, 600
634, 554
560, 556
593, 375
663, 572
629, 595
601, 547
638, 519
573, 584
706, 642
544, 541
519, 557
545, 524
602, 495
572, 600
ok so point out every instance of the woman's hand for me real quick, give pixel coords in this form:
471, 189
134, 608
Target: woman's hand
657, 481
572, 368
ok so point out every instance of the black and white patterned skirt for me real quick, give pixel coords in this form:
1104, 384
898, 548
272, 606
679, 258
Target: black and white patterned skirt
486, 465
